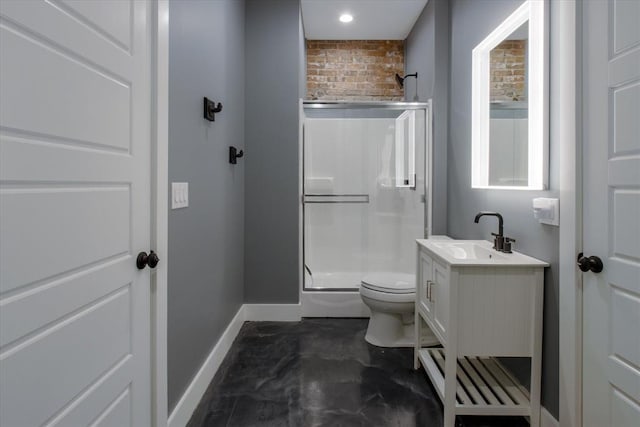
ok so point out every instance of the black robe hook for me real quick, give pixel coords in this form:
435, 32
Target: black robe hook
210, 109
234, 154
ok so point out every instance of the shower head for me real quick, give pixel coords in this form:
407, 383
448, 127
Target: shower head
400, 80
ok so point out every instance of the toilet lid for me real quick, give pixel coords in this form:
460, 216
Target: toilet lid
391, 283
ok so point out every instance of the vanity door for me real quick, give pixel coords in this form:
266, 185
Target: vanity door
440, 299
425, 285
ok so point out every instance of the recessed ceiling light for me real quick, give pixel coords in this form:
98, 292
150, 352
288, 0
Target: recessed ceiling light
345, 17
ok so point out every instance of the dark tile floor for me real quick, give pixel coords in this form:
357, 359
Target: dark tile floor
321, 372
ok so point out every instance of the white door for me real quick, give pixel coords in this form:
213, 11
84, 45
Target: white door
611, 306
74, 213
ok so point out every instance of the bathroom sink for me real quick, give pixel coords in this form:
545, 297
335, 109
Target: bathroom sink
476, 253
469, 250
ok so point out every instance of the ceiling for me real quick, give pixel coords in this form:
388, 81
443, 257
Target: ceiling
372, 19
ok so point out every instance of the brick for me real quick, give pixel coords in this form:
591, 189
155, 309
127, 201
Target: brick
507, 70
354, 69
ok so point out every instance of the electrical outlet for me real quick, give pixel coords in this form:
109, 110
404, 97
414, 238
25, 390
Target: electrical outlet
179, 195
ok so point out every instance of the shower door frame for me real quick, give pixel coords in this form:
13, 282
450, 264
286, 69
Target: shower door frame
426, 107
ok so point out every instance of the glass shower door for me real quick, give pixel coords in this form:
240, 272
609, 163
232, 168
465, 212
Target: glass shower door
363, 196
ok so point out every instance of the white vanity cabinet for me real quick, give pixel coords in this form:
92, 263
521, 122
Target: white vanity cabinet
480, 304
433, 285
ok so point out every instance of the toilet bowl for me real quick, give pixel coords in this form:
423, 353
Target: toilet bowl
391, 299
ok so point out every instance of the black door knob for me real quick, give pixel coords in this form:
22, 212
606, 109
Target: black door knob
143, 260
592, 263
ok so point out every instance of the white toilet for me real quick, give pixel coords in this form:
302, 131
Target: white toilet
391, 299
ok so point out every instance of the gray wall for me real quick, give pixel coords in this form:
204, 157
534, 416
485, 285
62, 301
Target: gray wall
206, 240
471, 22
427, 53
271, 123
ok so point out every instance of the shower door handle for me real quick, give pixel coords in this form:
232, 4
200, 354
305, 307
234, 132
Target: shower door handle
335, 198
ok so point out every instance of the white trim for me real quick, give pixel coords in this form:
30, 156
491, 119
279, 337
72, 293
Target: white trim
547, 420
189, 401
272, 312
159, 208
428, 164
333, 304
301, 119
566, 133
538, 95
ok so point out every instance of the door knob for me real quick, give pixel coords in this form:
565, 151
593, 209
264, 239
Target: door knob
143, 260
592, 263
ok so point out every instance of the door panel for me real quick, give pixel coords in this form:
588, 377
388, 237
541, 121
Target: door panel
88, 219
80, 39
626, 210
96, 106
626, 126
70, 291
97, 400
625, 307
110, 18
74, 212
624, 410
425, 276
440, 298
117, 413
66, 358
626, 31
611, 306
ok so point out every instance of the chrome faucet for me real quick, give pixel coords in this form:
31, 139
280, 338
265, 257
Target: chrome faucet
500, 243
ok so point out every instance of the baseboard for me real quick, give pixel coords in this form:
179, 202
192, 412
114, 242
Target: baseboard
272, 312
547, 420
189, 401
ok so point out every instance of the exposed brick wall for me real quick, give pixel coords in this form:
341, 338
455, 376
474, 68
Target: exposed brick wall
508, 71
354, 70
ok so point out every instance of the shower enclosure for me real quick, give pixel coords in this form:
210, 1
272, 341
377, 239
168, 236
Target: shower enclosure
365, 190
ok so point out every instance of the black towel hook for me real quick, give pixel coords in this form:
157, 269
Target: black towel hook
210, 109
234, 154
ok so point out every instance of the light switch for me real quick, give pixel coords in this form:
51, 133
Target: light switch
179, 195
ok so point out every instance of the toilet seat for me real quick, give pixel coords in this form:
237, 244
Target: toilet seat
365, 292
390, 283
